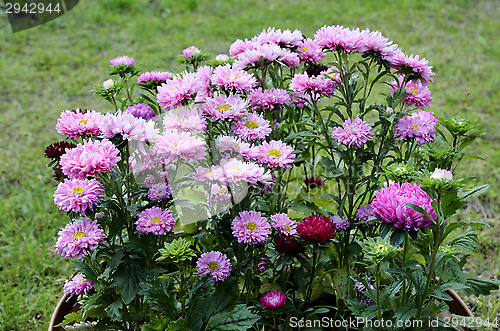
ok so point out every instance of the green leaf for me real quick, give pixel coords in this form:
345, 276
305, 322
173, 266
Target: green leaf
478, 286
240, 318
473, 191
340, 279
397, 237
419, 209
113, 310
467, 240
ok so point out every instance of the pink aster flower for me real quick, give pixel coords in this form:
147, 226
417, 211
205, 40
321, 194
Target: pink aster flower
76, 123
154, 76
219, 193
273, 299
78, 195
340, 222
78, 286
224, 107
301, 99
184, 119
276, 154
215, 263
364, 213
173, 92
284, 224
203, 83
235, 171
310, 51
251, 227
442, 174
353, 133
89, 158
361, 290
141, 110
420, 95
335, 37
286, 38
252, 127
268, 99
174, 144
122, 60
412, 65
374, 41
128, 126
239, 46
156, 221
230, 79
159, 192
313, 182
389, 206
302, 83
190, 51
233, 146
420, 125
78, 238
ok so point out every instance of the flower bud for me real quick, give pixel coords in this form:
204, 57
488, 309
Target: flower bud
442, 174
108, 84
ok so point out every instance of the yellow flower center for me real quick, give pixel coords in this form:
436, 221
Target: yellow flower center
182, 119
252, 124
415, 127
274, 152
223, 108
213, 265
79, 234
156, 220
251, 226
222, 190
78, 190
287, 228
413, 90
83, 121
305, 49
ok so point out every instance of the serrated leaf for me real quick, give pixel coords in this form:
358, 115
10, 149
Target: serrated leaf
467, 240
478, 286
240, 318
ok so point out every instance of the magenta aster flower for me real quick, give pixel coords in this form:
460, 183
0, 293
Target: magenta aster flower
251, 227
340, 222
159, 192
413, 65
184, 119
273, 299
122, 60
172, 145
389, 206
353, 133
230, 79
156, 221
215, 263
179, 88
374, 41
203, 83
76, 123
78, 238
78, 195
276, 154
317, 228
316, 86
284, 224
190, 51
335, 37
288, 245
420, 95
90, 158
313, 182
252, 127
154, 76
268, 99
310, 51
141, 110
364, 213
224, 107
286, 38
78, 286
420, 125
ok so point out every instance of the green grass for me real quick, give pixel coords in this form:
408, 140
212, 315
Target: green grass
52, 67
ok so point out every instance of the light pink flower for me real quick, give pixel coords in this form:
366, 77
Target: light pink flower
78, 195
171, 145
374, 41
250, 227
173, 92
90, 158
286, 38
335, 37
420, 95
309, 50
78, 238
203, 81
442, 174
420, 125
252, 127
184, 119
284, 224
154, 76
353, 133
268, 99
235, 171
224, 107
235, 146
412, 65
76, 123
276, 154
389, 206
122, 60
156, 221
215, 263
233, 79
128, 126
78, 286
302, 83
190, 52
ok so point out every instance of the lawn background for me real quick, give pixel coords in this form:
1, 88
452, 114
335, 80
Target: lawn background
52, 67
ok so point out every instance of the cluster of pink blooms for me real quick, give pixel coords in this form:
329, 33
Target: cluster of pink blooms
420, 125
78, 286
214, 263
155, 220
389, 206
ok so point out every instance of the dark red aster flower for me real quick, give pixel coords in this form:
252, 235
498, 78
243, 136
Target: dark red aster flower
58, 175
287, 245
316, 228
56, 150
316, 69
313, 182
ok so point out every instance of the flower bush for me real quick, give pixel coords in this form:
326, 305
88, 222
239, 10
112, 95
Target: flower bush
293, 177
